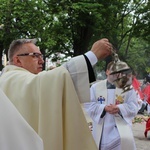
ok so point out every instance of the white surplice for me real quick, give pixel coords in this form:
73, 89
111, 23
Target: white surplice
15, 132
105, 129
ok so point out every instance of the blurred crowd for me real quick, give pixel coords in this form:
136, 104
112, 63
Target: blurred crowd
143, 93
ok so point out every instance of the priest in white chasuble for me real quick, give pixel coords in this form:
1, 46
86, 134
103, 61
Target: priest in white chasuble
50, 100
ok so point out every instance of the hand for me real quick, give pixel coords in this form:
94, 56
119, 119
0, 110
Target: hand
112, 109
102, 48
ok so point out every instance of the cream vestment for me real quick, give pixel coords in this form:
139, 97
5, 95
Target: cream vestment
15, 132
49, 103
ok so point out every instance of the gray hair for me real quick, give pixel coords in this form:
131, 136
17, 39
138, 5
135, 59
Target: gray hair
16, 45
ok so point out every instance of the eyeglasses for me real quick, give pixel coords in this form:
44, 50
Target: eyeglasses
34, 55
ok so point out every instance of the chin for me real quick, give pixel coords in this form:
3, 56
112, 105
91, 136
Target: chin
39, 70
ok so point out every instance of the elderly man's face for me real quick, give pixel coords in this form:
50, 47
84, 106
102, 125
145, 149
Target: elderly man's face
29, 58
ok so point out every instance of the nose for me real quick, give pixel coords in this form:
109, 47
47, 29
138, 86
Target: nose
41, 60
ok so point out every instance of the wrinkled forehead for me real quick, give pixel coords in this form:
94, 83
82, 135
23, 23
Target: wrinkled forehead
30, 47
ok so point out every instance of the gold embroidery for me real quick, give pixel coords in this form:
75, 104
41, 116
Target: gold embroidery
119, 99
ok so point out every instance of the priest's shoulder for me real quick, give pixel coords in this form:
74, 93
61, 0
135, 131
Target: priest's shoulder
55, 71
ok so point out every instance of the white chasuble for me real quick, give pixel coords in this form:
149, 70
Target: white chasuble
49, 103
112, 132
15, 132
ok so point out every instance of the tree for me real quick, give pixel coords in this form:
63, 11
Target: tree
21, 20
71, 26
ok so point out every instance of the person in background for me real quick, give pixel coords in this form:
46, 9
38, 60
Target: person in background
50, 100
146, 92
140, 97
112, 111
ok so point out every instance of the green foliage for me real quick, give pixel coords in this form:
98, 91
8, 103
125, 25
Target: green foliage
147, 69
138, 57
71, 26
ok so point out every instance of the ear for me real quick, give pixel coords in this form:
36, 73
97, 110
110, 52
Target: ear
107, 72
17, 61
